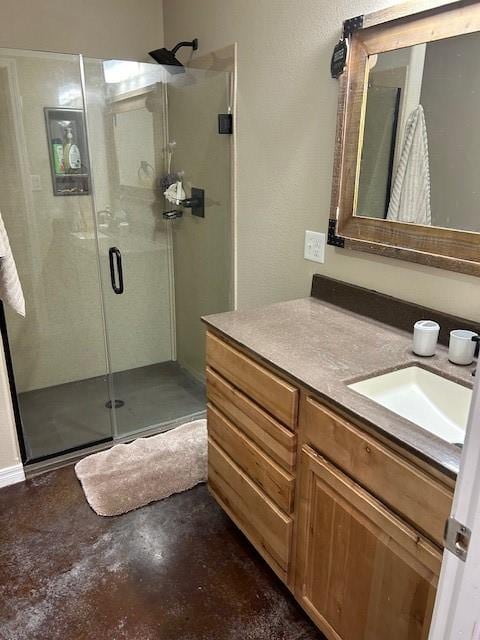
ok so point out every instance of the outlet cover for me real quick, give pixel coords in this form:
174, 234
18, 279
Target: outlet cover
314, 246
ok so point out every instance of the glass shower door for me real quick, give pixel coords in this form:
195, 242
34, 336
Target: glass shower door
112, 343
148, 290
125, 105
58, 350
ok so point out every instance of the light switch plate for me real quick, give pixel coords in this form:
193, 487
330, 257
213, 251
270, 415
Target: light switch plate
314, 246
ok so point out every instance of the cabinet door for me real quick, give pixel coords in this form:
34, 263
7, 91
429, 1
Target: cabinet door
361, 572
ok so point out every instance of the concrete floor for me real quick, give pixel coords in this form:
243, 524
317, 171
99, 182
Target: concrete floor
74, 414
174, 570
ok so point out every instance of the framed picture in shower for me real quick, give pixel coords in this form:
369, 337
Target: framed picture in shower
68, 151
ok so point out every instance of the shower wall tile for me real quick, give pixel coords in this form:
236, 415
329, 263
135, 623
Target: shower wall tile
62, 337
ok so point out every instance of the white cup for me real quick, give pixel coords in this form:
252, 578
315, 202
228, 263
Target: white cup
425, 337
461, 348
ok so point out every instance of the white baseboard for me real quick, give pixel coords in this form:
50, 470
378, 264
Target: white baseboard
12, 475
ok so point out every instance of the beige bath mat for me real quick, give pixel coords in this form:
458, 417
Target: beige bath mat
129, 476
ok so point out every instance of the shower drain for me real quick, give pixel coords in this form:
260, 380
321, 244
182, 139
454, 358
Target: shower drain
116, 404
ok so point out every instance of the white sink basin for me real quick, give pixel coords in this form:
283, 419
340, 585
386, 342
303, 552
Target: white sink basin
430, 401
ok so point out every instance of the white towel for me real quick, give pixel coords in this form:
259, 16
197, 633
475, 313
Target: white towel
10, 288
410, 197
175, 193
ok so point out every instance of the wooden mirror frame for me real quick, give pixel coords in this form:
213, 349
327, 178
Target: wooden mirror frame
399, 26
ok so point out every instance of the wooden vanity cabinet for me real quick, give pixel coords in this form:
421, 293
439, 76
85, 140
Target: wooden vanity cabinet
267, 527
268, 390
409, 491
252, 418
352, 527
362, 573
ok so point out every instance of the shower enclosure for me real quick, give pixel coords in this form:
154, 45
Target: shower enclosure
112, 343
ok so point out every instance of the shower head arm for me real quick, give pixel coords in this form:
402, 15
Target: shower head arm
193, 44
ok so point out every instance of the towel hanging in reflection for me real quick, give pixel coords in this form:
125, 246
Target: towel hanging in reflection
410, 197
10, 287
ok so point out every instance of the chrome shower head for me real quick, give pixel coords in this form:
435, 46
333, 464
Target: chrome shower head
168, 58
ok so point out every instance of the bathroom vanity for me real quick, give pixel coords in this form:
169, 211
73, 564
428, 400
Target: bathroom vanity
323, 448
344, 499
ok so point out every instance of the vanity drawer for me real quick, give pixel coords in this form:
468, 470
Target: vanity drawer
264, 524
272, 479
274, 394
271, 436
406, 489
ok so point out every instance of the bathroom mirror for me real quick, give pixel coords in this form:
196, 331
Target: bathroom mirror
421, 125
136, 155
408, 142
135, 128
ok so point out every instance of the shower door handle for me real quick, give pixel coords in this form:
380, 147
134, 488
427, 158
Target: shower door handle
114, 256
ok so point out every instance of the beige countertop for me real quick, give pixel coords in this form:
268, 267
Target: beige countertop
325, 348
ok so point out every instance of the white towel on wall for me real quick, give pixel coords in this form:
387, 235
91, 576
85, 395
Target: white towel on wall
410, 197
10, 288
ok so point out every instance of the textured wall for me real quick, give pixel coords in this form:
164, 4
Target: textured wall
9, 453
106, 29
287, 105
12, 198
